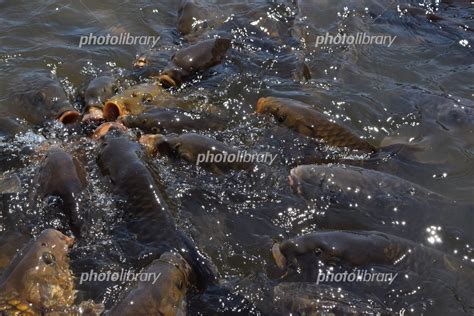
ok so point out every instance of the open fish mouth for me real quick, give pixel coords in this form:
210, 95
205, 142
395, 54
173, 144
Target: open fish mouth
103, 129
278, 256
69, 117
261, 105
113, 109
167, 81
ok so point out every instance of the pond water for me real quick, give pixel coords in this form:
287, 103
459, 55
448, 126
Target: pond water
417, 91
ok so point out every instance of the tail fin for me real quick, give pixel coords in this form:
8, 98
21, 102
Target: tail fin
205, 272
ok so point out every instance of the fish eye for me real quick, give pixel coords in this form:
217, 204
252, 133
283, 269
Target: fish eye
48, 258
44, 244
278, 115
279, 118
40, 96
147, 98
155, 129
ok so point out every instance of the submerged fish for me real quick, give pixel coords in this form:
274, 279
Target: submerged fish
304, 298
368, 249
369, 199
307, 121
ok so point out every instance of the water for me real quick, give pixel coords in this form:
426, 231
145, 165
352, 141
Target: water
416, 92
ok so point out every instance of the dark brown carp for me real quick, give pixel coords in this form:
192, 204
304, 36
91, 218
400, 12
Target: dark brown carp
172, 120
194, 148
135, 180
97, 92
43, 100
309, 122
39, 280
376, 249
189, 13
124, 162
380, 201
163, 294
194, 59
134, 100
59, 182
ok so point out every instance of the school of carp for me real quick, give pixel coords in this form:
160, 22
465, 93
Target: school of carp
132, 125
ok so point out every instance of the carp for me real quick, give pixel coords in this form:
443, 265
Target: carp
135, 180
164, 294
194, 59
309, 122
192, 148
43, 100
39, 280
172, 120
303, 298
97, 92
59, 182
373, 249
188, 13
135, 100
376, 200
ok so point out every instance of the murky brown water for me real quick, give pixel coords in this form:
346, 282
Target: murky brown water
417, 92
